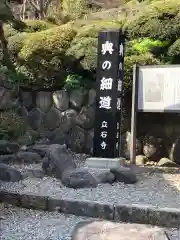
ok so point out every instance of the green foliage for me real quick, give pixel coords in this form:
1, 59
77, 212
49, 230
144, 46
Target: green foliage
15, 43
42, 56
12, 124
145, 59
146, 45
158, 21
75, 81
84, 50
9, 31
37, 26
74, 8
174, 49
14, 79
93, 29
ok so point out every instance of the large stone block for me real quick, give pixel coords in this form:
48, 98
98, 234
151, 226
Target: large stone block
61, 100
54, 118
44, 100
95, 230
36, 118
92, 97
78, 98
76, 139
59, 160
86, 117
26, 98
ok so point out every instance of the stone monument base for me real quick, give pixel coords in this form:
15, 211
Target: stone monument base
104, 163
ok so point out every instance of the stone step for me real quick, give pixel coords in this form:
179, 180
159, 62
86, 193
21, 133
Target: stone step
104, 163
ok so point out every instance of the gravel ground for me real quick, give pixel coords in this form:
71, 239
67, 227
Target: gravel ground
154, 189
24, 224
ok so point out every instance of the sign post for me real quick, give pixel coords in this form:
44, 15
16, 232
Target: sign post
109, 90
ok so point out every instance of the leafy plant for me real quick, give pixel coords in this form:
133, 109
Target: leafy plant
75, 81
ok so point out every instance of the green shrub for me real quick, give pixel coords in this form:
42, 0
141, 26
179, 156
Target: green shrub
15, 43
93, 29
84, 50
75, 81
43, 53
146, 59
174, 52
9, 30
146, 45
37, 26
74, 8
159, 21
12, 124
174, 49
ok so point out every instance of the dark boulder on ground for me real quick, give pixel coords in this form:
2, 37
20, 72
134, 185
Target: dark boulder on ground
58, 160
9, 174
124, 175
78, 178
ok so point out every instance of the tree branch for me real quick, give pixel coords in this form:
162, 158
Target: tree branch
35, 5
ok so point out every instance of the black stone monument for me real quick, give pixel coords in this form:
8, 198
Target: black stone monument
109, 90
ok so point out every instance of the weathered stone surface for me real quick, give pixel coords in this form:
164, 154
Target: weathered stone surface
78, 178
125, 175
82, 208
28, 157
71, 115
141, 160
53, 118
59, 137
41, 149
61, 100
9, 174
8, 147
44, 100
27, 99
10, 158
59, 160
78, 97
92, 96
7, 98
153, 148
36, 118
28, 139
106, 177
89, 142
126, 143
165, 162
22, 111
32, 201
86, 117
76, 139
174, 151
94, 230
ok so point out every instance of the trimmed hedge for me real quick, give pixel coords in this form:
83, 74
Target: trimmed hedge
42, 56
9, 31
93, 29
15, 43
37, 26
159, 21
84, 50
144, 59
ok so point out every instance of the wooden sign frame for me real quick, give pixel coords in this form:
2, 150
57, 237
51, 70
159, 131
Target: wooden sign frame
134, 109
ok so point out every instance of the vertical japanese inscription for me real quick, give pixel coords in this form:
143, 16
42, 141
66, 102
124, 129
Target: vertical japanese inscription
108, 99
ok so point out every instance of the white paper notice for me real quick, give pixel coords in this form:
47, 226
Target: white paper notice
159, 88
